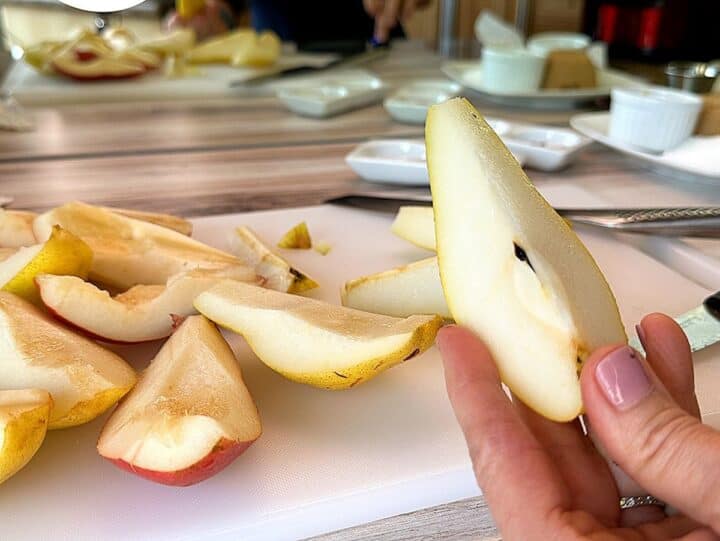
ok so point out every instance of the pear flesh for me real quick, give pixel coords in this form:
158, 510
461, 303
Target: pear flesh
401, 292
511, 268
313, 342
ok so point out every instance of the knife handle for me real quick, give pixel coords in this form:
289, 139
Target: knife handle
689, 222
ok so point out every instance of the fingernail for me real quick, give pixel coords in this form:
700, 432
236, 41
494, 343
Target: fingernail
641, 335
443, 335
622, 378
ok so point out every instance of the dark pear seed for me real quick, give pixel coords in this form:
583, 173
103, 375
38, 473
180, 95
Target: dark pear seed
522, 255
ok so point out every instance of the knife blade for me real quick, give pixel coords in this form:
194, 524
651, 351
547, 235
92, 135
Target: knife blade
701, 222
701, 325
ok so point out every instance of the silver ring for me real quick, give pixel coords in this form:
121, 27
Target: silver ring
630, 502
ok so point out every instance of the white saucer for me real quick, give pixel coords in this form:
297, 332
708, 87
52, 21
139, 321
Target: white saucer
333, 93
410, 102
469, 74
697, 159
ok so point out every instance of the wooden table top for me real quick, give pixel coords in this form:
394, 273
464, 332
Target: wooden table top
208, 157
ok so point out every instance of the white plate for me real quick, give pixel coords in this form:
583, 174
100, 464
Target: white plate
697, 159
410, 102
402, 161
332, 94
468, 74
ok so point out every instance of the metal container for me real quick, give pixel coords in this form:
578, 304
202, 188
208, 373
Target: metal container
697, 77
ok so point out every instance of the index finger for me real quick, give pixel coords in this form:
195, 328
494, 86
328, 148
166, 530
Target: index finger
387, 20
509, 463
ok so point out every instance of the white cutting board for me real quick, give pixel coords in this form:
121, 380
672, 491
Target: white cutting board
326, 460
33, 88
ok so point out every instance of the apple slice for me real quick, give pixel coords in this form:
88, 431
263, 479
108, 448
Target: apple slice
415, 225
189, 416
36, 352
401, 292
511, 268
220, 49
141, 314
177, 42
87, 68
24, 416
129, 252
63, 253
16, 228
313, 342
276, 273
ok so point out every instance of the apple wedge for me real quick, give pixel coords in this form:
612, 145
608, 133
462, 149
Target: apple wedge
313, 342
24, 416
190, 414
141, 314
415, 225
16, 228
511, 268
401, 292
262, 50
63, 253
275, 272
37, 353
128, 252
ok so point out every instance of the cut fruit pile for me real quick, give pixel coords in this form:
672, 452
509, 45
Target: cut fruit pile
117, 54
507, 266
80, 273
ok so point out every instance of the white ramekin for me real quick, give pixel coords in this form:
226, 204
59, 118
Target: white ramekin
510, 70
653, 118
545, 42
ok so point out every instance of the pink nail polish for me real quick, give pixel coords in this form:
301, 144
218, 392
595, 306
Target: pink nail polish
622, 378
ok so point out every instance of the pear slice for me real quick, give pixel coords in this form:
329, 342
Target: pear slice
141, 314
297, 238
415, 225
16, 228
220, 50
177, 42
401, 292
36, 352
511, 268
276, 273
169, 221
24, 416
190, 414
263, 50
129, 252
63, 253
313, 342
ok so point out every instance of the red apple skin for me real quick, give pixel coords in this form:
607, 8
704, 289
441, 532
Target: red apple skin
224, 452
85, 56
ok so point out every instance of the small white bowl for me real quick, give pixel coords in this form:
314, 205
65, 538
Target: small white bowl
410, 102
511, 70
654, 119
545, 42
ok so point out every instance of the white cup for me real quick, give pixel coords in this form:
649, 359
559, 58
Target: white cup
653, 119
510, 70
545, 42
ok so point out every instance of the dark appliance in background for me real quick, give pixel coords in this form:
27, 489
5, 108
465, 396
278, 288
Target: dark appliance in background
655, 30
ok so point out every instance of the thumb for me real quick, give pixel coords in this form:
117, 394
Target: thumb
666, 450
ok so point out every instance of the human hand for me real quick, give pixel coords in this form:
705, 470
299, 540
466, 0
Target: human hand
542, 478
388, 13
211, 20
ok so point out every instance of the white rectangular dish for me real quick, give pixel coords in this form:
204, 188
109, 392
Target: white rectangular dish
402, 161
332, 93
410, 102
326, 460
468, 74
697, 159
